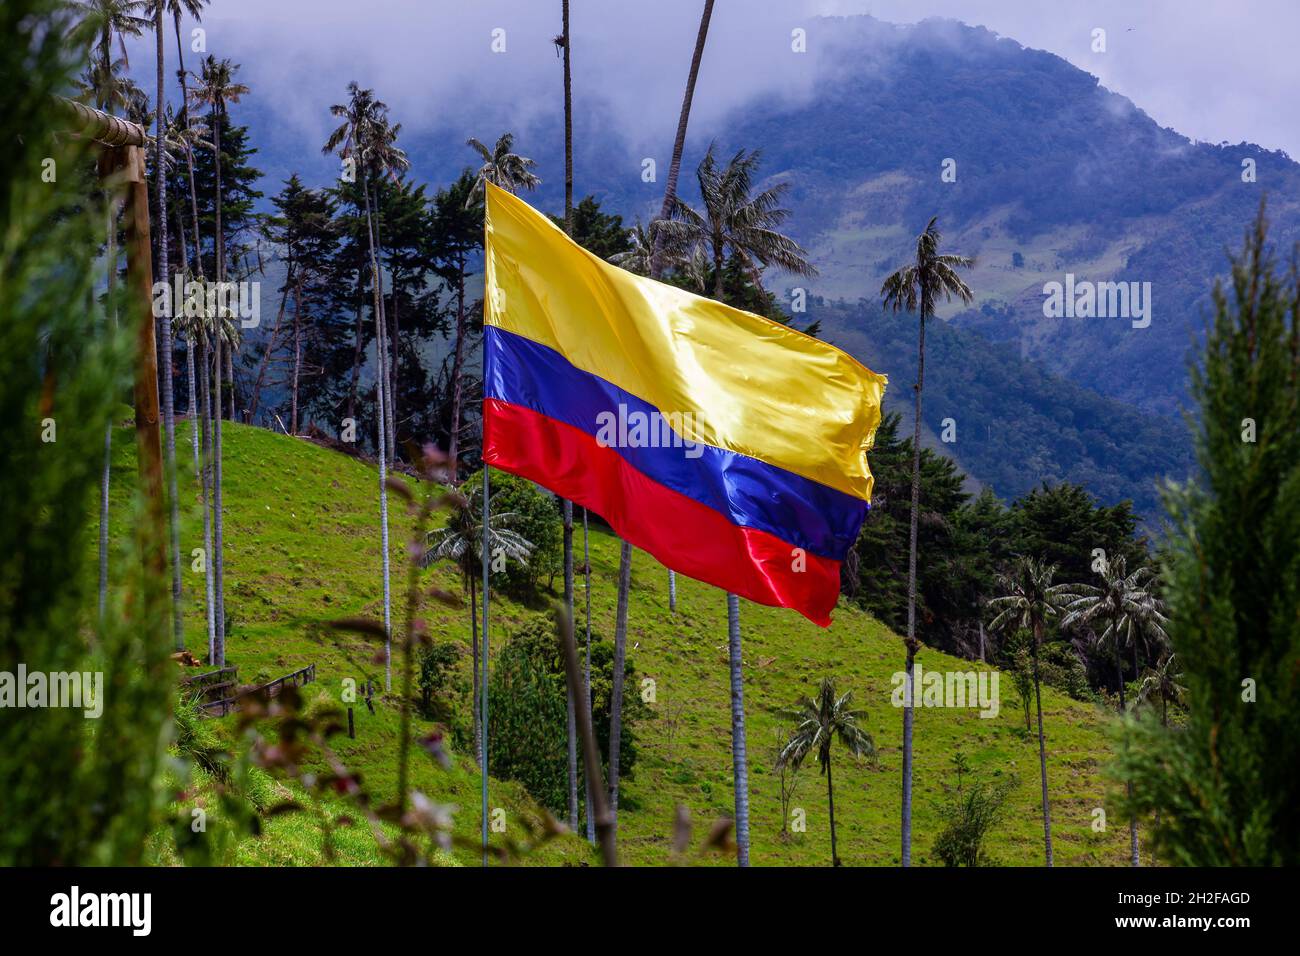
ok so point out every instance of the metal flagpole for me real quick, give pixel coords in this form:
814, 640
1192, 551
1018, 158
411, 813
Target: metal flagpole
483, 684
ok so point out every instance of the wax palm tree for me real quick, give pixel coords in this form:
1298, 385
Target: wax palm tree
1031, 599
217, 89
502, 167
821, 720
745, 225
194, 8
658, 257
563, 44
1126, 608
657, 264
917, 288
460, 541
365, 137
195, 330
639, 257
100, 23
1164, 681
157, 8
736, 222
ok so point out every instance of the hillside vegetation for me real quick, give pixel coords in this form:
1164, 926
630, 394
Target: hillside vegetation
302, 548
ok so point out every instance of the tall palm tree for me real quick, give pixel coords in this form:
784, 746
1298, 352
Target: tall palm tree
820, 721
736, 222
460, 541
745, 226
639, 257
655, 261
99, 24
199, 331
501, 166
194, 8
165, 327
620, 662
563, 43
217, 88
656, 265
366, 135
1031, 599
1128, 609
917, 288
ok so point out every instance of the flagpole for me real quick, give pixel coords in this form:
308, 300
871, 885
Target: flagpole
483, 684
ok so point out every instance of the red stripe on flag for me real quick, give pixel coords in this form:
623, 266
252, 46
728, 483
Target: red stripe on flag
681, 533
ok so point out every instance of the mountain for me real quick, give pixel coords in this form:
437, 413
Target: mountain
1053, 175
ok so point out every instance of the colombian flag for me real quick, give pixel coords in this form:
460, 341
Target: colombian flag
730, 447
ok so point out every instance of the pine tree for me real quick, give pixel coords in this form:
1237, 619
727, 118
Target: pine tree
1227, 783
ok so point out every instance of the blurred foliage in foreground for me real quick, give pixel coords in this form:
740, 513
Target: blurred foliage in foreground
75, 790
1225, 787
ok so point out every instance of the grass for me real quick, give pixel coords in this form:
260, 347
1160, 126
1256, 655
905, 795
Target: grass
302, 547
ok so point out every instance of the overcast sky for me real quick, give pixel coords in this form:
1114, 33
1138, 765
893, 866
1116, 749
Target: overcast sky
1214, 69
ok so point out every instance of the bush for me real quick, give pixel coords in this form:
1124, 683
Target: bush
974, 811
437, 667
528, 714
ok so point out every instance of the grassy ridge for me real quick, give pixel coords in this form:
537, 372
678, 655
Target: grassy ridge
302, 547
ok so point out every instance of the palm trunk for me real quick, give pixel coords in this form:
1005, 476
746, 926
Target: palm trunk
670, 192
830, 799
189, 357
591, 773
473, 638
679, 142
209, 572
106, 475
1042, 749
568, 505
1132, 820
570, 704
297, 356
908, 712
356, 356
739, 765
380, 388
387, 368
218, 517
165, 347
620, 659
194, 409
457, 371
230, 378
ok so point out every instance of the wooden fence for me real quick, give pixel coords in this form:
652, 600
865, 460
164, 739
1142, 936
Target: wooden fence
219, 708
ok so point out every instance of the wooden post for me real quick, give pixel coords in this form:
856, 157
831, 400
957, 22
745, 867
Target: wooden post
129, 162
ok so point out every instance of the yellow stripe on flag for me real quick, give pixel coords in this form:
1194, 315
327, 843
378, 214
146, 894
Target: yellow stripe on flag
739, 381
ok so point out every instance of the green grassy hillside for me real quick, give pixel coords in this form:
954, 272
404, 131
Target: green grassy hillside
302, 547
